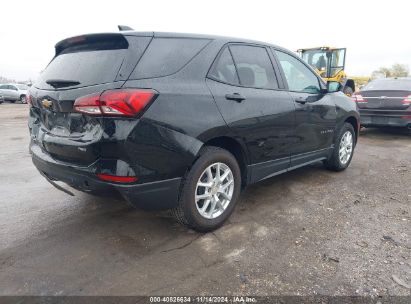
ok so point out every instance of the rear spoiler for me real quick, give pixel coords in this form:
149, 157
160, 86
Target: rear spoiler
98, 41
93, 41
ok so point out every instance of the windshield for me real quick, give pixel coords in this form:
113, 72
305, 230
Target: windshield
388, 84
318, 59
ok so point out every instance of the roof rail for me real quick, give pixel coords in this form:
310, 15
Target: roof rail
124, 28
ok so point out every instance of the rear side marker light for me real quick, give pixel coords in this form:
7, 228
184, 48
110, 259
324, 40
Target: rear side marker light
358, 98
123, 102
117, 179
407, 100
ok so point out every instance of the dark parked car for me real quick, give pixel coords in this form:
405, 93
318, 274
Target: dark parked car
183, 121
385, 102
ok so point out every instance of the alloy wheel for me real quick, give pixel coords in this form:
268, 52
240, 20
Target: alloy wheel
214, 190
346, 147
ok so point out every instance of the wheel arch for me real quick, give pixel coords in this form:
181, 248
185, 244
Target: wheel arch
236, 148
355, 123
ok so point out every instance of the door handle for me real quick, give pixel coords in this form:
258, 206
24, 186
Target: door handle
300, 100
235, 96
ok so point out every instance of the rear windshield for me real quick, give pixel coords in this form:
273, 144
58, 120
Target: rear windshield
86, 61
388, 84
166, 56
88, 68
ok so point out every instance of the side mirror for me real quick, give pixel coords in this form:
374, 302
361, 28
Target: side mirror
333, 86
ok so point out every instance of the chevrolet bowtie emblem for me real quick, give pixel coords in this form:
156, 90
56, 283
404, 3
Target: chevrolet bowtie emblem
46, 103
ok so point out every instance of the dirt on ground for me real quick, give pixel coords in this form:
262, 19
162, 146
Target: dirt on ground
308, 232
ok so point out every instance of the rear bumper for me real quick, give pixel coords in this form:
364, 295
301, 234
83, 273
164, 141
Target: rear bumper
382, 118
153, 195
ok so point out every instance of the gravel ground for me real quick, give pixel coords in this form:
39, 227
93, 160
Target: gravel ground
307, 232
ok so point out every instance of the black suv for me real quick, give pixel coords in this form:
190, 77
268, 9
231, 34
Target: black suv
183, 121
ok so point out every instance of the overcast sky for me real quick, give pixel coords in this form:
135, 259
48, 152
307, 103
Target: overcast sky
376, 33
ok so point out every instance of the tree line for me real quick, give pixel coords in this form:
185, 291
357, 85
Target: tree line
396, 70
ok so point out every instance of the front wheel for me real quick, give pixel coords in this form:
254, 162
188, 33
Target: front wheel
210, 190
343, 149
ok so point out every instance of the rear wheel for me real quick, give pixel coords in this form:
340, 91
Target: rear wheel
210, 190
343, 149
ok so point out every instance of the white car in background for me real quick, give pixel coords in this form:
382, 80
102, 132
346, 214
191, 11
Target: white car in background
14, 92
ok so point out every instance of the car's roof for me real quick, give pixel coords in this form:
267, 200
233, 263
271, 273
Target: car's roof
184, 35
206, 36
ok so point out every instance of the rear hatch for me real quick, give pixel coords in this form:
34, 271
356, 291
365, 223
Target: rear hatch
384, 100
386, 94
82, 65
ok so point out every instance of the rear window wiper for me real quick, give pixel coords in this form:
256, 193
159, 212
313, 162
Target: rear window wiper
61, 83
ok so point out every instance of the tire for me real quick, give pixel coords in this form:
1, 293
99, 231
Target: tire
348, 91
188, 210
336, 162
23, 99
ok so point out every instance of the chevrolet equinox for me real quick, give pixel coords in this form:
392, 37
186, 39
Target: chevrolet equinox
182, 121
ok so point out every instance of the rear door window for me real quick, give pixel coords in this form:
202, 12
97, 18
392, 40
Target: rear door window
166, 56
223, 69
254, 66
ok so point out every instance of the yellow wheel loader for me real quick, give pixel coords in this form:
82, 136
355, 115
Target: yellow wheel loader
329, 63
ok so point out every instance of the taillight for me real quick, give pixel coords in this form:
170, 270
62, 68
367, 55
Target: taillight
117, 179
123, 102
29, 100
358, 98
89, 104
407, 100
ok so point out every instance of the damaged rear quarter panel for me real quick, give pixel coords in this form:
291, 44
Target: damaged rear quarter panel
174, 128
